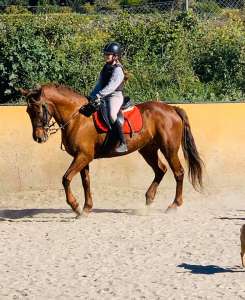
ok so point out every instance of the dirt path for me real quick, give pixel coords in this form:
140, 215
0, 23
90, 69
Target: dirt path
122, 251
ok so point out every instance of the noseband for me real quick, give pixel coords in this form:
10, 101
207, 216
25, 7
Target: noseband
44, 120
49, 128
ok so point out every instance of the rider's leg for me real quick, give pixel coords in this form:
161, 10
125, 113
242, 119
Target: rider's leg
122, 147
115, 102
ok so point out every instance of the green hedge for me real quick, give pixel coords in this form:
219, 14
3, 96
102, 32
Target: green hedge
175, 59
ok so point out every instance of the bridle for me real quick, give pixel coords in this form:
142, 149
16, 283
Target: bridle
45, 120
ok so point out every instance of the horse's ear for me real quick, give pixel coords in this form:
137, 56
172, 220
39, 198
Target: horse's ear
32, 93
24, 92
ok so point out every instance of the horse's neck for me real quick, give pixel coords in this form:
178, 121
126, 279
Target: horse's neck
64, 109
64, 102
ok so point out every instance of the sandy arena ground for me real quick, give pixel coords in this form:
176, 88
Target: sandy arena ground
122, 250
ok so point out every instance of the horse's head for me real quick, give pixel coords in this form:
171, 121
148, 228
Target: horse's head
39, 113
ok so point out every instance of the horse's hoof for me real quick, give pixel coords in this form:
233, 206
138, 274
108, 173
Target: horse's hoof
78, 212
85, 213
171, 209
148, 202
82, 216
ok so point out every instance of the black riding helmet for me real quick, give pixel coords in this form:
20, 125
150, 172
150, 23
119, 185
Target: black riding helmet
112, 48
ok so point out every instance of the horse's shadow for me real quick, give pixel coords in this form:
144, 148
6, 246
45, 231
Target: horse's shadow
16, 214
45, 214
209, 269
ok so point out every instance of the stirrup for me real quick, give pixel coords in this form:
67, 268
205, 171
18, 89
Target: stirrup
121, 148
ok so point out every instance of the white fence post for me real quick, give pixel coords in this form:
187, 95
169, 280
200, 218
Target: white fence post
186, 5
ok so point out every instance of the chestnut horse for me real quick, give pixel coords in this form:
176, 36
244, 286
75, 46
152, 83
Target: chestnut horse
165, 128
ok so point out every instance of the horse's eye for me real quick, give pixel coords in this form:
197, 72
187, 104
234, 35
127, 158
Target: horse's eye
34, 113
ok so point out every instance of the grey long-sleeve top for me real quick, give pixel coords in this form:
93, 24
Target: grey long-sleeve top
116, 79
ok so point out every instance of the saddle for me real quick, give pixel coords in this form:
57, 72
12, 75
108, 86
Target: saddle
129, 116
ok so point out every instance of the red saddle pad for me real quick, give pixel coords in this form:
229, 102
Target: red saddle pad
132, 121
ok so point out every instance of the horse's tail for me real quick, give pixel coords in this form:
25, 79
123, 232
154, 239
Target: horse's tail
194, 161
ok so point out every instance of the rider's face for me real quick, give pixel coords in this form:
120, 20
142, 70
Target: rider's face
109, 58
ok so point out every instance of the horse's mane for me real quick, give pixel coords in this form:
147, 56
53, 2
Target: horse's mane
63, 89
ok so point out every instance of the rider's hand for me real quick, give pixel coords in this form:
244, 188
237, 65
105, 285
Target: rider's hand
97, 100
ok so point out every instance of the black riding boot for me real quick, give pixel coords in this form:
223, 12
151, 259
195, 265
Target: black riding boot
122, 147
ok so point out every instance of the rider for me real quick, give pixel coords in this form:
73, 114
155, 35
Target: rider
110, 87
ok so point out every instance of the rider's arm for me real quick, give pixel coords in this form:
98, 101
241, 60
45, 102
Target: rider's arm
96, 89
116, 79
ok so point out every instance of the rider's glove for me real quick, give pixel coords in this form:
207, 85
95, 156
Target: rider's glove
91, 107
97, 100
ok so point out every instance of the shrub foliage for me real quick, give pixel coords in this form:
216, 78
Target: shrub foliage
175, 59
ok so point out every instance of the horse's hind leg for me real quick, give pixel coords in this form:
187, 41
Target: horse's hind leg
150, 155
242, 258
172, 157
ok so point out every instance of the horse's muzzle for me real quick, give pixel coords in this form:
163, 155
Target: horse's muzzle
40, 140
40, 136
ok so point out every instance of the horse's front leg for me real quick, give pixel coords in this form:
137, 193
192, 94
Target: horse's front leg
79, 163
88, 203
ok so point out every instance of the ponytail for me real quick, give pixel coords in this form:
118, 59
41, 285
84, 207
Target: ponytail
126, 73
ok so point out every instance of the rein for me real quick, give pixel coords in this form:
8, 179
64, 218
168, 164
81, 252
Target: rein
49, 127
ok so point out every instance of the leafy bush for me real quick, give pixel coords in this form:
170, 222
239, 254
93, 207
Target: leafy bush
187, 19
107, 5
16, 9
207, 7
51, 9
88, 8
133, 2
14, 2
177, 58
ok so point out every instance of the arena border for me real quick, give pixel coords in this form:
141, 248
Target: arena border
218, 129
